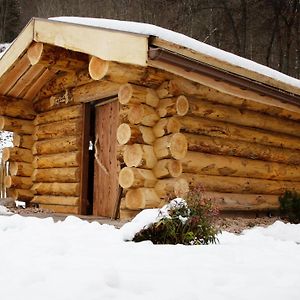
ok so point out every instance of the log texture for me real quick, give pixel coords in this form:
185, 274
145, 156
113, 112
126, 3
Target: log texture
17, 154
60, 114
247, 118
143, 114
56, 189
229, 184
57, 129
57, 145
56, 175
134, 178
59, 160
20, 168
56, 57
173, 106
142, 198
57, 200
223, 146
221, 129
170, 188
178, 86
135, 94
22, 141
18, 182
134, 134
171, 146
167, 168
140, 156
243, 202
16, 125
203, 163
16, 108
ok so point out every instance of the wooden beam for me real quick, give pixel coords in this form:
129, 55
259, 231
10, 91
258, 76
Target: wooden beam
16, 108
56, 57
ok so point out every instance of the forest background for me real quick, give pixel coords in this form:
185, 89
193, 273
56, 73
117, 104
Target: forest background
266, 31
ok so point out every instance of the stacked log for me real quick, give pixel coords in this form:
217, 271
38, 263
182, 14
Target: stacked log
17, 115
244, 155
151, 163
57, 159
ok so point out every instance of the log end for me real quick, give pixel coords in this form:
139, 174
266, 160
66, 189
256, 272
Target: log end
135, 199
182, 106
7, 181
125, 93
6, 154
126, 178
98, 68
34, 53
135, 114
13, 168
173, 126
133, 155
152, 98
123, 134
181, 188
178, 146
175, 168
16, 140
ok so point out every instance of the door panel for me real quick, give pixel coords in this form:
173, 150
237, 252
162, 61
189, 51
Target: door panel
106, 169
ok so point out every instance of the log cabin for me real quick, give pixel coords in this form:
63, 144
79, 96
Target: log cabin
109, 119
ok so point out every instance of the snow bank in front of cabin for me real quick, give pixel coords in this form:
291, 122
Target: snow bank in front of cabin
74, 259
183, 40
4, 210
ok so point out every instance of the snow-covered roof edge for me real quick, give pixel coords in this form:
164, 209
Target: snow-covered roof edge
185, 41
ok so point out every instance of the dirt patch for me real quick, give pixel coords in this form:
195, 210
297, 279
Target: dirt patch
238, 224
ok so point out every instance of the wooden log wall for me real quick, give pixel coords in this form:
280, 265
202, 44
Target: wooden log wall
17, 115
57, 159
243, 155
151, 163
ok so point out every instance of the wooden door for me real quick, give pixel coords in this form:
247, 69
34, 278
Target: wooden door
106, 169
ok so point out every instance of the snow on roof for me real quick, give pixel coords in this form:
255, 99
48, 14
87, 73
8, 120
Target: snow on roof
185, 41
3, 48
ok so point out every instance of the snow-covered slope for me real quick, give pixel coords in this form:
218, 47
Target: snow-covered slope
180, 39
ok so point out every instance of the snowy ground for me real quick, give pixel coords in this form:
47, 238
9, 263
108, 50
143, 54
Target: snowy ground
75, 259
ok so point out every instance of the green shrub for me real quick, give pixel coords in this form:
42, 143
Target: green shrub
290, 206
188, 222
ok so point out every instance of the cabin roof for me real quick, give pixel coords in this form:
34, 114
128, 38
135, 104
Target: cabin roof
146, 45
